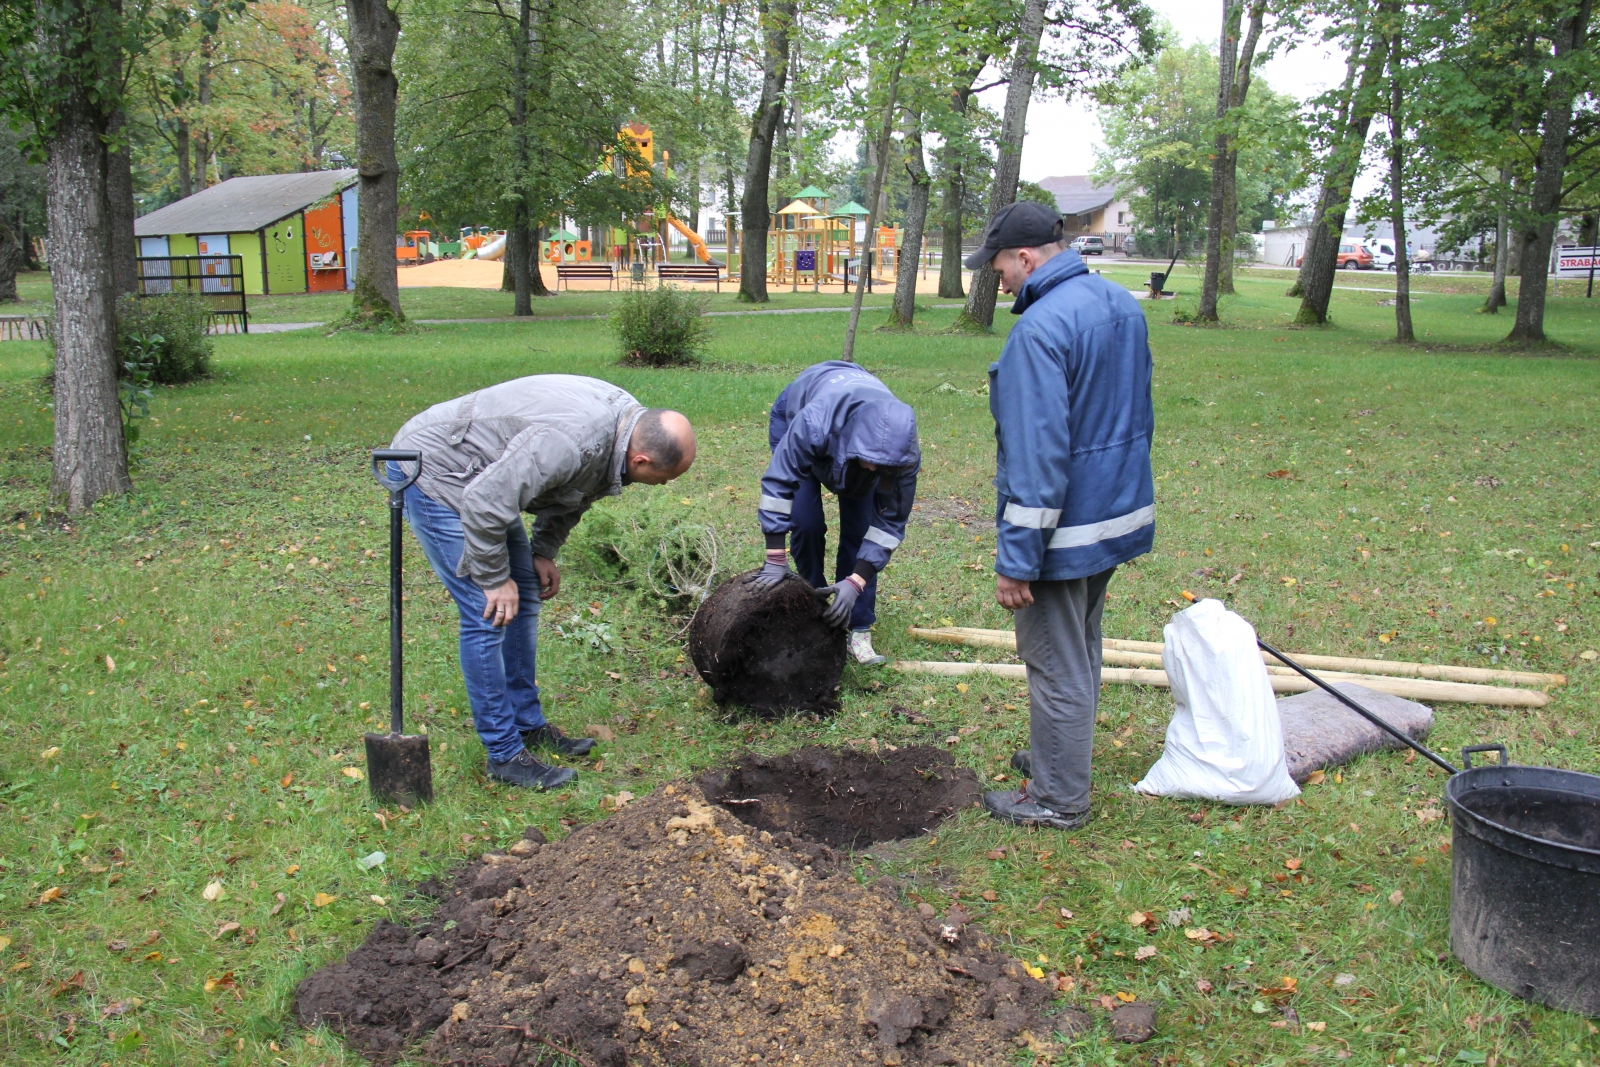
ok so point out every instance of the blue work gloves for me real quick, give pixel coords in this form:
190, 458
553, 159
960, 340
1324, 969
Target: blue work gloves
773, 571
844, 600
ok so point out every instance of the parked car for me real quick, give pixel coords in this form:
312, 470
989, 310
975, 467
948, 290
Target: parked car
1351, 257
1089, 246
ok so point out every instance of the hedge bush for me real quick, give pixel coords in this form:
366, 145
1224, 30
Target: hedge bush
181, 320
661, 327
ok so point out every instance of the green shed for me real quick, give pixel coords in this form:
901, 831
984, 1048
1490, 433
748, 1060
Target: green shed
293, 233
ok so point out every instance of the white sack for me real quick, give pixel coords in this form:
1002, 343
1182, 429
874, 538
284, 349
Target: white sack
1225, 741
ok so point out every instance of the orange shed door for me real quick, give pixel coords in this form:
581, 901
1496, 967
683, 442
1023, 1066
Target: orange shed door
325, 249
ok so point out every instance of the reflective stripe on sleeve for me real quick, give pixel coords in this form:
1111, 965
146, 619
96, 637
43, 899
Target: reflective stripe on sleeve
1094, 532
878, 537
776, 505
1032, 518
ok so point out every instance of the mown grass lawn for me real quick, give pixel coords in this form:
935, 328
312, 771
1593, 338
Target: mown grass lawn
1439, 506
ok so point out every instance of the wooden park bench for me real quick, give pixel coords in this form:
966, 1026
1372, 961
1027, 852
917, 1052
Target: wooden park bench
690, 272
24, 328
585, 272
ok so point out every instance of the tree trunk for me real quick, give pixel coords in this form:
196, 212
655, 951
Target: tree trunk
777, 16
905, 277
536, 286
1227, 59
11, 257
519, 248
1544, 210
885, 132
955, 194
1322, 255
374, 28
120, 208
955, 191
1230, 166
1309, 255
91, 455
1502, 249
203, 99
979, 312
1397, 209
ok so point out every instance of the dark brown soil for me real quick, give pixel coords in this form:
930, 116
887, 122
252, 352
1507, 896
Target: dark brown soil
673, 935
846, 799
768, 650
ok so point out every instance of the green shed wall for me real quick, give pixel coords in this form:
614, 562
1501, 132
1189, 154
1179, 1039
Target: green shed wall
184, 244
286, 254
247, 246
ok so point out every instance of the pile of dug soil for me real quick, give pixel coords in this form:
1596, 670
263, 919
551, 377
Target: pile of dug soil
673, 934
845, 799
768, 649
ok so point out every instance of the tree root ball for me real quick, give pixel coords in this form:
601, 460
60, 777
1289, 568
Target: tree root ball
768, 649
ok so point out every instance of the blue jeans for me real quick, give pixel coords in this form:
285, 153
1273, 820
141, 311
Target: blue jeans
808, 545
497, 662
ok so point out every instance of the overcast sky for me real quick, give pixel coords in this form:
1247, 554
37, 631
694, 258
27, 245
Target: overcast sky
1062, 134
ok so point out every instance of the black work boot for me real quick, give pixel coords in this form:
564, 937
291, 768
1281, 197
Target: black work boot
549, 736
522, 769
1015, 806
1023, 761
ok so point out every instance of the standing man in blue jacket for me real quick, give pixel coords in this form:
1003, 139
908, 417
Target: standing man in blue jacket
1073, 424
836, 427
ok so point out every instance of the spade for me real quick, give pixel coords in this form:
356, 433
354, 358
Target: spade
398, 767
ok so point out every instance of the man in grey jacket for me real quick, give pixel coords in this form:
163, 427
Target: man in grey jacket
550, 445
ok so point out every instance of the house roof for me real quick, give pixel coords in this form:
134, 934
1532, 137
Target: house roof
799, 207
1076, 194
810, 192
243, 205
852, 208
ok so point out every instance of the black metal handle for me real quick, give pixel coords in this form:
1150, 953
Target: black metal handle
397, 488
381, 456
1357, 708
1467, 753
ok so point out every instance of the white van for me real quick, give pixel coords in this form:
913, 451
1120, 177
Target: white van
1381, 249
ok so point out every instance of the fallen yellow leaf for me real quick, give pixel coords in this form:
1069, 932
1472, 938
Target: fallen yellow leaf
1144, 952
962, 687
213, 892
1316, 1028
376, 899
50, 753
1033, 972
1396, 897
286, 779
5, 943
111, 665
322, 900
1317, 778
353, 772
293, 867
1126, 998
51, 894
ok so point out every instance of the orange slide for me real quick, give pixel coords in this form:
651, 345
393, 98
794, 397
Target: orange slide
695, 240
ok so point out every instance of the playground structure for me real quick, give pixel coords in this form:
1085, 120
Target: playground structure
642, 240
808, 244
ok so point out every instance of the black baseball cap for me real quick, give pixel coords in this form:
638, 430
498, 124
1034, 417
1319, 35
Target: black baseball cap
1025, 224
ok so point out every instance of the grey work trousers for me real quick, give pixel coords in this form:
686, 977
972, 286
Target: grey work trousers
1058, 637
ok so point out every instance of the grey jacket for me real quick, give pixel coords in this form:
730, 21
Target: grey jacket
548, 444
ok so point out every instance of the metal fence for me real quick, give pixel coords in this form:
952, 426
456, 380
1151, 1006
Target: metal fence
218, 280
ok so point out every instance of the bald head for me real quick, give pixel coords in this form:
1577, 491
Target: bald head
661, 449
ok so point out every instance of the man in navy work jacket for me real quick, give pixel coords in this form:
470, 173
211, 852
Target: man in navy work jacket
836, 427
1073, 422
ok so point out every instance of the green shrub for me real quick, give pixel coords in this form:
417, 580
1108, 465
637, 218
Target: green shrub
180, 320
661, 327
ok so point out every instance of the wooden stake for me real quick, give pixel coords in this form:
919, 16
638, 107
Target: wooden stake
1288, 682
967, 635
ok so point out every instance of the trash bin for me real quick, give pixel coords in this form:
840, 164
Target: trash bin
1157, 280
